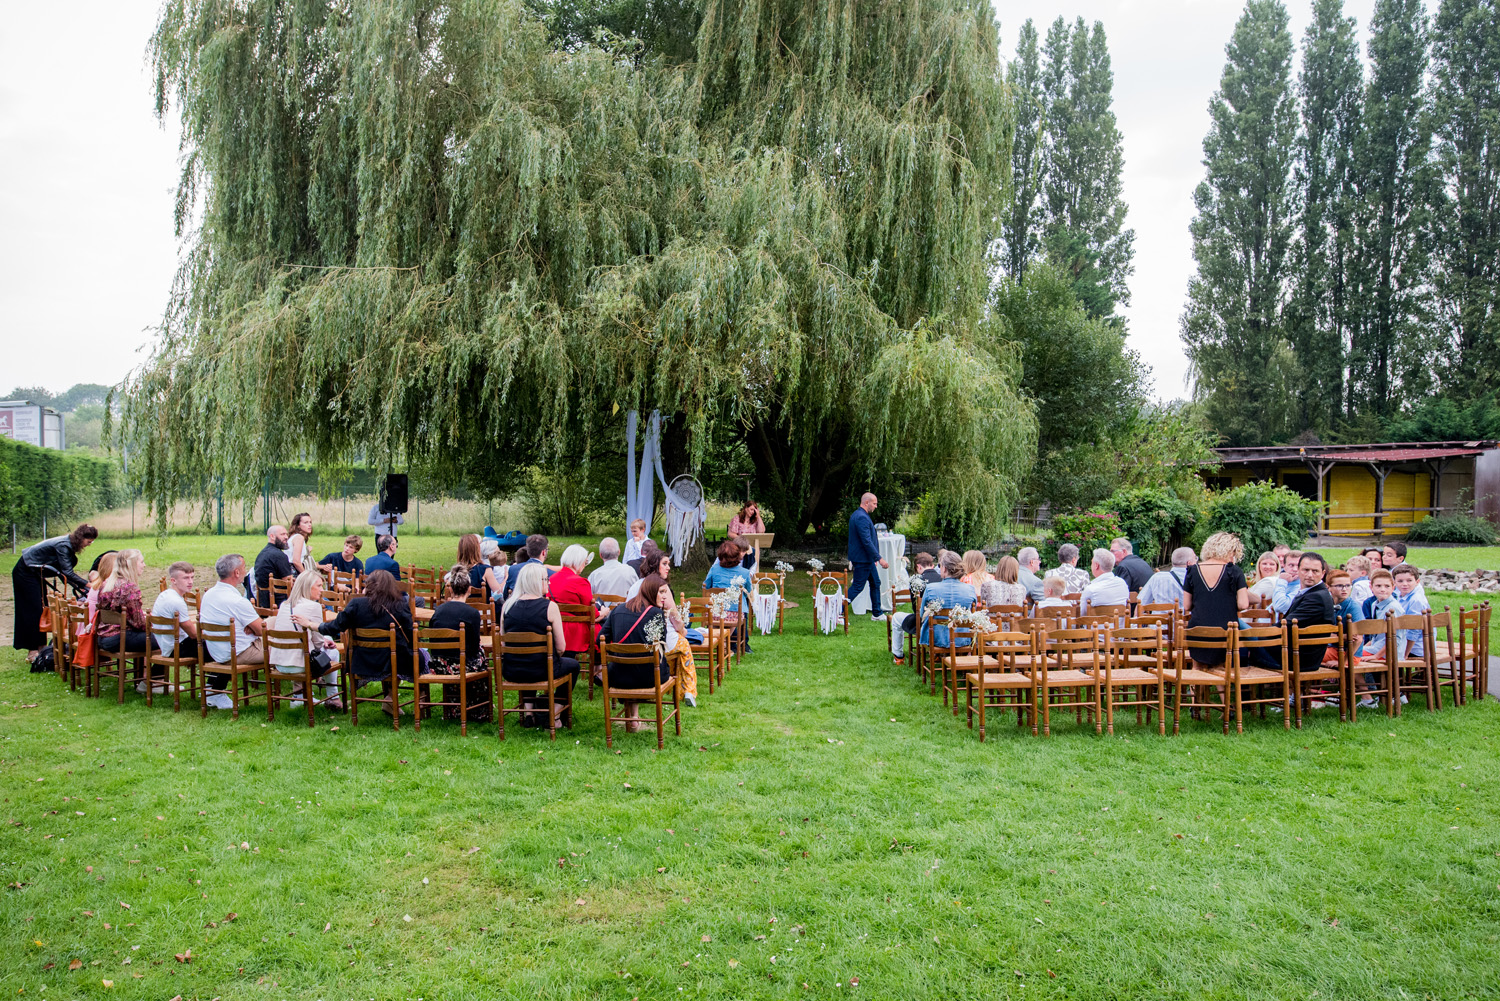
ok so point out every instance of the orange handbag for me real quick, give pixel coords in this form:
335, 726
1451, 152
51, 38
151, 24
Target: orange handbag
83, 648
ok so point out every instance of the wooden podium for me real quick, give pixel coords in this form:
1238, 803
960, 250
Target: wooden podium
759, 540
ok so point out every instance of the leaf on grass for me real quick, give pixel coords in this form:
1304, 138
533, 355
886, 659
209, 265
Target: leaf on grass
76, 964
107, 983
760, 938
579, 902
733, 963
230, 917
185, 956
124, 905
328, 927
706, 938
471, 851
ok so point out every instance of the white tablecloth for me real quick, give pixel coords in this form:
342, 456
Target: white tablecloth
892, 549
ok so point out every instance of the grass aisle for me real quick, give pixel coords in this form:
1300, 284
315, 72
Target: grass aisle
821, 820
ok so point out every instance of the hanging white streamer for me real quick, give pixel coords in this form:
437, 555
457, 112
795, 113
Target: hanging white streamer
764, 606
829, 609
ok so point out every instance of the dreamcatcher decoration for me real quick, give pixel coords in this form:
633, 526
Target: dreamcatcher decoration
685, 515
828, 606
686, 512
766, 604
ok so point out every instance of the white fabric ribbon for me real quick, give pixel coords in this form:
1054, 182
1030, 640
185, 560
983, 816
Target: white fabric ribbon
764, 606
828, 608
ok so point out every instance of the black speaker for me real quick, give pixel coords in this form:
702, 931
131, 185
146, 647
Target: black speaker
393, 494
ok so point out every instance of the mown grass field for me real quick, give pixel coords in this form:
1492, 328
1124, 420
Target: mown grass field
821, 821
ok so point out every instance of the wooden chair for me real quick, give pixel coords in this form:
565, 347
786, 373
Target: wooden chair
278, 589
1258, 616
840, 578
168, 630
240, 676
1056, 616
77, 617
1011, 678
334, 601
610, 599
1135, 661
1120, 614
1072, 683
1133, 600
955, 660
582, 615
897, 597
713, 651
1241, 675
1467, 653
1443, 663
1158, 608
295, 641
351, 580
1355, 634
738, 634
930, 662
1482, 658
426, 583
1007, 617
645, 656
374, 639
1315, 680
530, 645
1412, 674
452, 645
117, 665
1189, 676
779, 580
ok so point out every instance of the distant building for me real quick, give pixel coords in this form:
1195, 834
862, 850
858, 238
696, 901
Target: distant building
1375, 490
22, 420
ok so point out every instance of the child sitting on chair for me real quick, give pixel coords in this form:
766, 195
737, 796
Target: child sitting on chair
1053, 589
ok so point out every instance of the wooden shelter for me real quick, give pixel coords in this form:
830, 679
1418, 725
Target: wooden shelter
1376, 490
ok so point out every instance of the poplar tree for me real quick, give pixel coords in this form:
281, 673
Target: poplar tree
1389, 347
427, 236
1466, 68
1317, 318
1021, 226
1244, 367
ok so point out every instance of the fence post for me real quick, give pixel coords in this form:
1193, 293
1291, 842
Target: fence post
221, 505
419, 516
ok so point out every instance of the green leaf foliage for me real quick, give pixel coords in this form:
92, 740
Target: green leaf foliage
1463, 529
1263, 516
1088, 530
436, 237
37, 483
1155, 520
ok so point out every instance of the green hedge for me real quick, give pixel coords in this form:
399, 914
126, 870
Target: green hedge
1154, 519
1460, 528
37, 482
1262, 516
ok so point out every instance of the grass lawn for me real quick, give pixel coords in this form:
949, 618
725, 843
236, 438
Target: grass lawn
820, 821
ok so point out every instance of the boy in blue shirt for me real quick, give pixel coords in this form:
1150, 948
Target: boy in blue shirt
1409, 642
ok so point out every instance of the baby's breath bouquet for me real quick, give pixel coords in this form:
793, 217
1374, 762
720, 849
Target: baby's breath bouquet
816, 564
917, 586
784, 567
978, 620
656, 633
726, 601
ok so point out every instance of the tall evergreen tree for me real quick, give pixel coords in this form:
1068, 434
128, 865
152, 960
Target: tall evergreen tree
1466, 68
1084, 233
1317, 317
1243, 366
1389, 347
1021, 226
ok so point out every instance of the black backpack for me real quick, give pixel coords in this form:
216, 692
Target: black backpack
46, 660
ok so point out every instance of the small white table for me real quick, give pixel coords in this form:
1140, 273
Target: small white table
892, 577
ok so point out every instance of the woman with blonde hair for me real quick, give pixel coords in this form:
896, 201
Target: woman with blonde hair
1214, 591
1267, 573
121, 592
491, 567
1005, 587
529, 610
976, 569
305, 603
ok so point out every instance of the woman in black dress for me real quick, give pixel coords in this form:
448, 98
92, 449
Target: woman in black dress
55, 557
529, 610
452, 614
1214, 592
631, 622
382, 604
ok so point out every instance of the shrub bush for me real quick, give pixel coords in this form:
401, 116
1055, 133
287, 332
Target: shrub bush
43, 482
1461, 528
1088, 530
1153, 519
1263, 516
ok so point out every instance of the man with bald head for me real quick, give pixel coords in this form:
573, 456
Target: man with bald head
271, 562
864, 554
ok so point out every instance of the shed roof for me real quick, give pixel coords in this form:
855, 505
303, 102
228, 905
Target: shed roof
1383, 452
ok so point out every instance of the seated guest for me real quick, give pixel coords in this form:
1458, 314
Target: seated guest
924, 565
1030, 562
636, 621
384, 558
1053, 589
471, 559
535, 551
650, 559
1393, 555
1128, 566
173, 601
1340, 585
529, 610
1409, 642
637, 540
1359, 578
1105, 588
747, 521
299, 537
122, 593
224, 605
304, 605
1309, 604
949, 592
1267, 579
612, 577
924, 569
1167, 586
271, 562
729, 571
451, 614
382, 605
1376, 556
976, 569
346, 561
1381, 603
492, 559
1067, 568
1004, 588
747, 552
568, 586
1214, 592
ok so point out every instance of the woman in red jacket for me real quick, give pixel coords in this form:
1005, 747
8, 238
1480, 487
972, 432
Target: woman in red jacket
568, 586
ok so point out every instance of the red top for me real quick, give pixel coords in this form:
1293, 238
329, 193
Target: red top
567, 588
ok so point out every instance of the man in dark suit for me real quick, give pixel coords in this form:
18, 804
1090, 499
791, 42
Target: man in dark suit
864, 554
271, 562
1130, 567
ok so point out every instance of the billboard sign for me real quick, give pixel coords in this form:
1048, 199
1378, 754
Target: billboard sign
22, 424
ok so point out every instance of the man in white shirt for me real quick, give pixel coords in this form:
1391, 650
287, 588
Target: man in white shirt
1166, 587
384, 523
613, 577
223, 605
173, 601
1105, 588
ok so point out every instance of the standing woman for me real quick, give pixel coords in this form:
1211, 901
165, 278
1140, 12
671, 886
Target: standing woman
298, 547
55, 557
1214, 591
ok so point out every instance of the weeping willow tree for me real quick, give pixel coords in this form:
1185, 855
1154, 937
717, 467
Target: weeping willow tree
426, 235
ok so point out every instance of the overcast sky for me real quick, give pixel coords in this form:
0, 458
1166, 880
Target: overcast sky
87, 174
